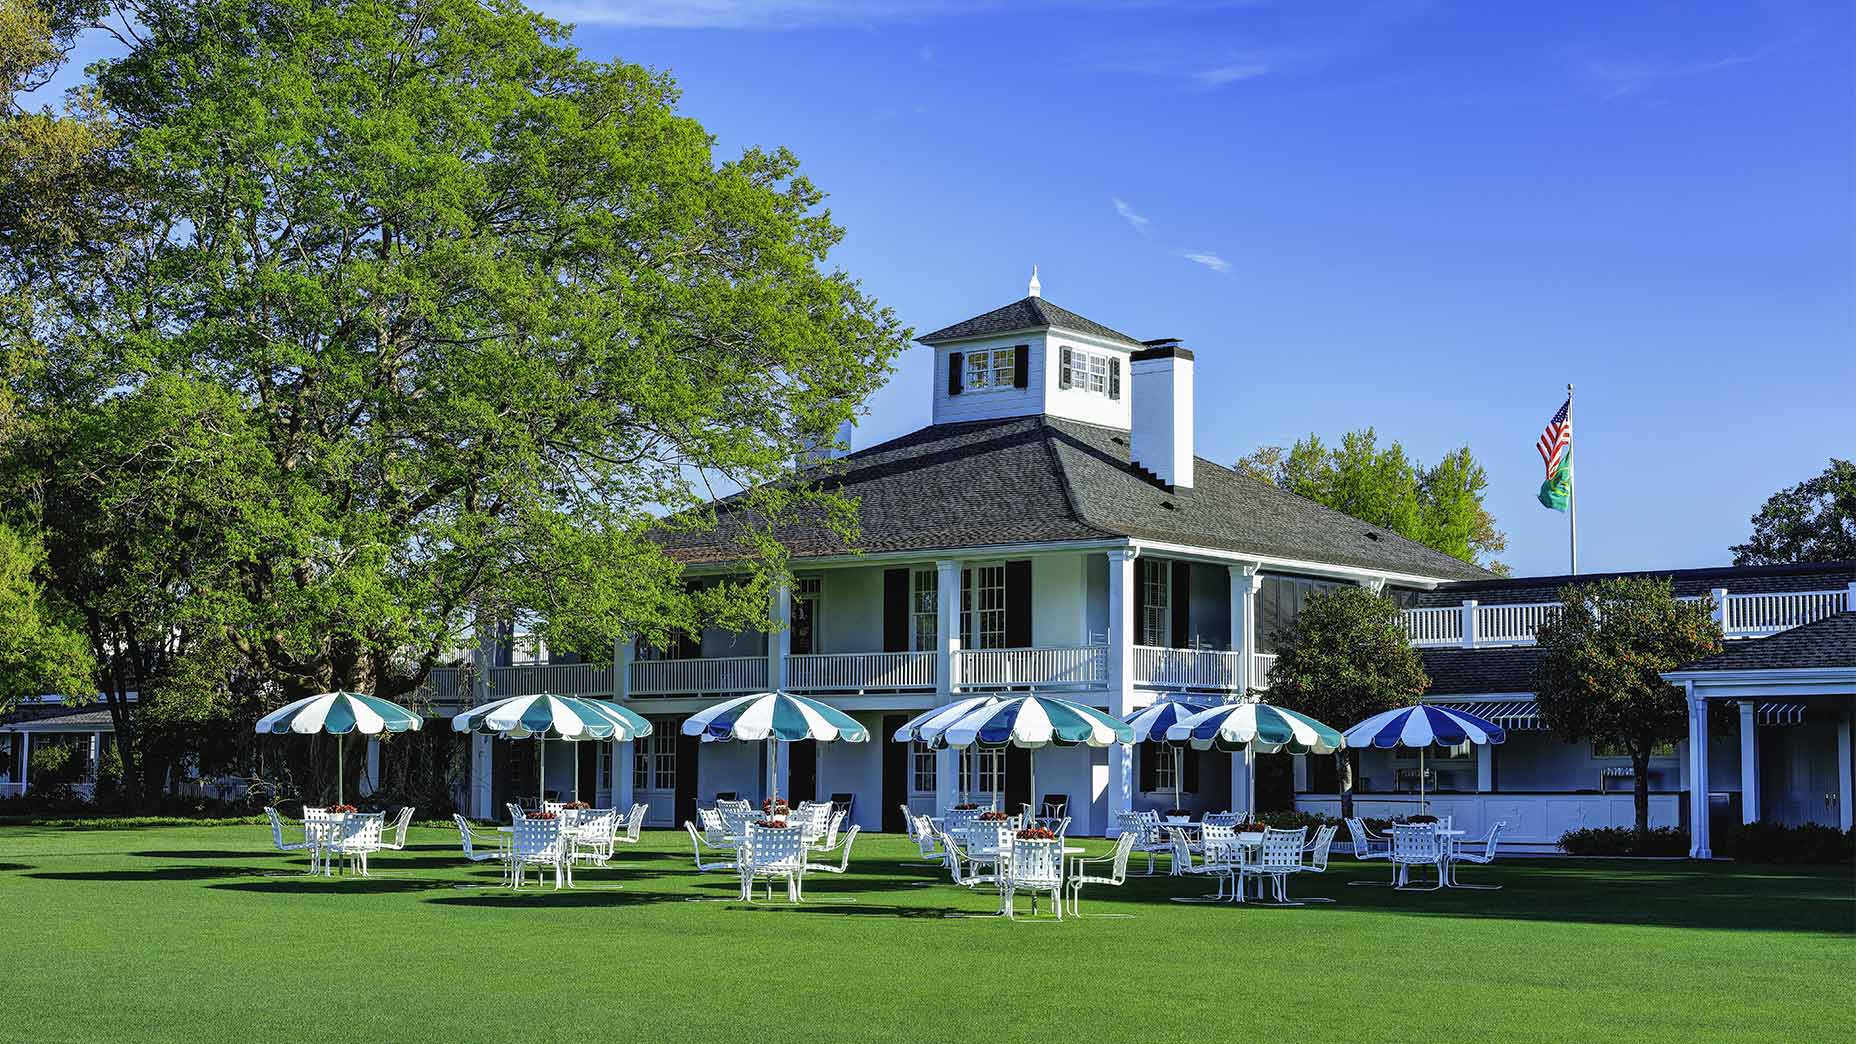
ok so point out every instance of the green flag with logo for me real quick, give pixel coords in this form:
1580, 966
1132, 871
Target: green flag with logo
1556, 491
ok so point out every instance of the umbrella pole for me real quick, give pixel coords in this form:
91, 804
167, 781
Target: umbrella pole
1033, 762
576, 773
1420, 780
541, 770
339, 768
1250, 784
1178, 780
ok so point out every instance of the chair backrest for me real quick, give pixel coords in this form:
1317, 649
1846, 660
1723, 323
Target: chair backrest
774, 848
1318, 852
321, 827
730, 803
711, 819
1054, 805
400, 823
1219, 843
537, 838
1414, 843
696, 842
1123, 847
831, 828
363, 829
277, 826
1131, 823
1036, 864
1182, 850
1356, 829
909, 823
735, 821
464, 835
553, 806
1282, 849
597, 825
634, 823
1495, 833
985, 841
1229, 819
850, 838
843, 803
515, 811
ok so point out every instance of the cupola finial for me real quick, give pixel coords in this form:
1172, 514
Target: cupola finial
1037, 288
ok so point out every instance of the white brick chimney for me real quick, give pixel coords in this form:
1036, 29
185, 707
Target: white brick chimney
1160, 438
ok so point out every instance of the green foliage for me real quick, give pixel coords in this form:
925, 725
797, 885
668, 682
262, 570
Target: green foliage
1814, 521
1439, 506
1616, 841
391, 319
39, 651
1602, 657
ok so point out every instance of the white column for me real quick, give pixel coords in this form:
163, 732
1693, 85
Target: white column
947, 645
623, 650
1118, 795
1469, 623
1245, 583
25, 760
780, 639
1845, 796
1697, 775
480, 769
1719, 596
1749, 762
372, 780
1485, 767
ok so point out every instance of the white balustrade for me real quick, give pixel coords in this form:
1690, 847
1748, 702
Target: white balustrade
857, 672
566, 679
1260, 664
1512, 624
1439, 626
709, 674
1758, 614
446, 685
1069, 665
1185, 668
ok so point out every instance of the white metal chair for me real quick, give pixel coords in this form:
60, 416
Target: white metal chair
322, 833
277, 833
593, 835
538, 843
988, 844
843, 848
1367, 845
1035, 867
1215, 861
400, 823
1480, 851
1415, 845
1081, 872
633, 828
1315, 856
360, 837
496, 849
1279, 856
773, 852
1228, 819
1147, 839
698, 843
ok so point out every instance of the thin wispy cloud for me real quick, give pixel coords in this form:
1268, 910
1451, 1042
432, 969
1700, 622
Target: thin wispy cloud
1619, 78
1219, 75
1209, 260
1128, 214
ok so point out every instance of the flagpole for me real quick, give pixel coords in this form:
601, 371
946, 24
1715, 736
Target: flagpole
1572, 499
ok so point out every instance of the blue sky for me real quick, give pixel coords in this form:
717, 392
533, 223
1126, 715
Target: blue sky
1426, 217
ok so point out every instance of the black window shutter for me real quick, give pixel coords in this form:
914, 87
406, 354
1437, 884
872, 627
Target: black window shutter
1114, 378
1140, 599
895, 610
1190, 782
954, 360
1063, 368
1018, 604
1182, 605
1021, 366
1149, 752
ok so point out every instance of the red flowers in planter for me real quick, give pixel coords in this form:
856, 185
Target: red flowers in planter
1421, 819
576, 805
1177, 813
775, 806
541, 815
1036, 834
993, 817
1249, 828
772, 824
341, 809
965, 808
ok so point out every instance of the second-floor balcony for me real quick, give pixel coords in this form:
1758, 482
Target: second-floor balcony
1747, 615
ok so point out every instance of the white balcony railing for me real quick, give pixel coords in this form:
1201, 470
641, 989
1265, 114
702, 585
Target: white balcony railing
1512, 624
1070, 666
1260, 664
446, 685
1748, 615
708, 675
857, 672
1186, 668
1440, 626
565, 679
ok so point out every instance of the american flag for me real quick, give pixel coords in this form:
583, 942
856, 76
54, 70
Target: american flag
1556, 440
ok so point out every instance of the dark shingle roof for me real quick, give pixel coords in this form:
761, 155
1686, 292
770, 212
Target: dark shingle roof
1460, 672
75, 719
1023, 479
1819, 576
1830, 642
1031, 313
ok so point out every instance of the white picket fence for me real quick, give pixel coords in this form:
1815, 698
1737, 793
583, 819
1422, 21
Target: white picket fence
1076, 666
857, 672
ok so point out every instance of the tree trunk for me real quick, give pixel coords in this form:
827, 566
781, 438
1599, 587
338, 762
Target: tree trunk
1343, 768
1640, 789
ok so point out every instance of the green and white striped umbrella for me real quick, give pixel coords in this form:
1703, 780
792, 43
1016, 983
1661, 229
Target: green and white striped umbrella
1258, 728
339, 713
1033, 721
546, 714
779, 717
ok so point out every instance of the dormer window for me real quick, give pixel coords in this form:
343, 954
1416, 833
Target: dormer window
1093, 372
991, 369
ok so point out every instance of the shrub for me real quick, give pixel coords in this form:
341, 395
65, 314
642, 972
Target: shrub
1623, 841
1772, 843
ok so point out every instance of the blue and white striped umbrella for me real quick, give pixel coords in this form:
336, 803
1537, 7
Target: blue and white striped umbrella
546, 714
926, 727
774, 716
1150, 725
1422, 726
1035, 721
339, 713
1258, 728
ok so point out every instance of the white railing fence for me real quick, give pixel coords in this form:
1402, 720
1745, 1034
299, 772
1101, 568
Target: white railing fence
447, 685
1741, 616
566, 679
1439, 626
1513, 624
1186, 668
1069, 665
1260, 664
714, 674
1746, 615
835, 672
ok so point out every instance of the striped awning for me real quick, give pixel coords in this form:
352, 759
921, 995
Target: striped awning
1780, 713
1522, 715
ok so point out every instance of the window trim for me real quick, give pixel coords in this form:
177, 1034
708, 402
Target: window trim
993, 369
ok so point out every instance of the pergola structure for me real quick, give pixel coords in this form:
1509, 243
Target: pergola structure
1809, 672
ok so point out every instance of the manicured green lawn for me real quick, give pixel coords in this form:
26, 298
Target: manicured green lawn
202, 933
